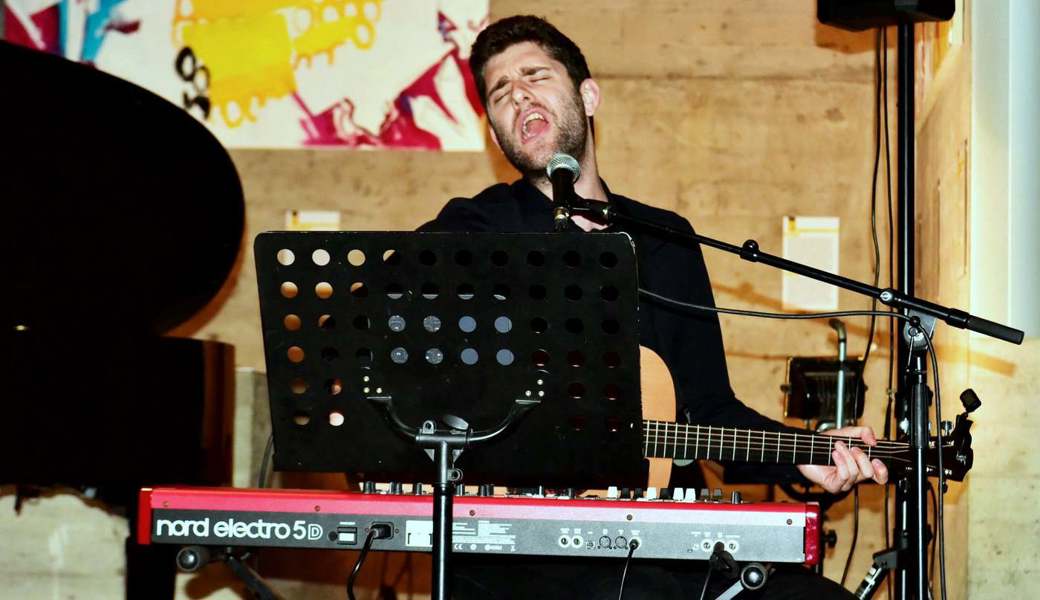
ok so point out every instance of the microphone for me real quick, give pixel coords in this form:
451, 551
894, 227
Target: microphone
563, 171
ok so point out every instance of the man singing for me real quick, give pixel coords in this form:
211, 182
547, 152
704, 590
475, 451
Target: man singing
540, 99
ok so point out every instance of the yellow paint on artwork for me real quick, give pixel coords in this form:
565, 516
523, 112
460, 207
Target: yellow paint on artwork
251, 47
335, 22
209, 10
249, 62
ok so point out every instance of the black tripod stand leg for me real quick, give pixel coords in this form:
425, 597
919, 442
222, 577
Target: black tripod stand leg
884, 562
151, 573
254, 583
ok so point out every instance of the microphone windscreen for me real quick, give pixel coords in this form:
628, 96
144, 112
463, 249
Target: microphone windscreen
563, 161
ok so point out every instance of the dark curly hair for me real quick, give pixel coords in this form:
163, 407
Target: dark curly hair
525, 28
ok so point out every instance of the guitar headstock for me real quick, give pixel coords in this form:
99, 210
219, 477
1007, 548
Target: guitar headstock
957, 455
956, 452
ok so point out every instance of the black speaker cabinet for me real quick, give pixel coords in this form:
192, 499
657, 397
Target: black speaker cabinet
857, 15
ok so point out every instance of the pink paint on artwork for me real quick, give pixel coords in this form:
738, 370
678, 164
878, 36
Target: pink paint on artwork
335, 127
124, 27
46, 34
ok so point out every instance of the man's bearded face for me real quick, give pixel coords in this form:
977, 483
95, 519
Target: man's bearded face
572, 131
534, 109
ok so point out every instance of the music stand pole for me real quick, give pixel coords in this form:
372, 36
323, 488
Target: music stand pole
444, 445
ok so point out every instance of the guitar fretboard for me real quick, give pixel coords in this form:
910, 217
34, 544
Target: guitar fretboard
664, 439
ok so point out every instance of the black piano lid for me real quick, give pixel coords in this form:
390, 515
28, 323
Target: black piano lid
121, 209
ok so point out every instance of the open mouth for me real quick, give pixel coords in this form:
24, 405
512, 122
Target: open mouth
532, 125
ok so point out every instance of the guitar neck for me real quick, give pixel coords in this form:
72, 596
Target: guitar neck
663, 439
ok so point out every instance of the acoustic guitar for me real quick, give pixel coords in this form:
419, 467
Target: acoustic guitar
665, 440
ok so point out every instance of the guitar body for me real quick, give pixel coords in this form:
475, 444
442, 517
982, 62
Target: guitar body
658, 404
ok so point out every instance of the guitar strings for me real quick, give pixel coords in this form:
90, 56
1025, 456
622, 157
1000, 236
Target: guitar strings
674, 430
759, 442
762, 448
741, 442
762, 454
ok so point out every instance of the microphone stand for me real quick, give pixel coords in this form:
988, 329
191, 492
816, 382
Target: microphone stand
839, 406
925, 312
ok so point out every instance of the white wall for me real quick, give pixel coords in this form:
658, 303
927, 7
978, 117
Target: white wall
1005, 174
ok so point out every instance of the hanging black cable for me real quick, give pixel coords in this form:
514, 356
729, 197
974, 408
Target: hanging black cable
892, 325
873, 190
632, 545
878, 86
940, 523
855, 534
360, 561
935, 541
261, 477
378, 531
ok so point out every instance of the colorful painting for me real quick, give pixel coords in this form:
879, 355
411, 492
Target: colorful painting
284, 73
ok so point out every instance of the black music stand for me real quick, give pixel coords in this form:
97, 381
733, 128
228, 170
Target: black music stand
370, 334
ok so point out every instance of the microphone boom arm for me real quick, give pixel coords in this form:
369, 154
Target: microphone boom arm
750, 252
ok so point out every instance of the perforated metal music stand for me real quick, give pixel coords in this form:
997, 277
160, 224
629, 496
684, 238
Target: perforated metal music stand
460, 324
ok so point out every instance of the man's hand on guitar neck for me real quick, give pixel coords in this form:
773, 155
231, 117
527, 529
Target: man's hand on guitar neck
851, 465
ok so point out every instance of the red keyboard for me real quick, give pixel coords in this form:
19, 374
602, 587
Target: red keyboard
520, 525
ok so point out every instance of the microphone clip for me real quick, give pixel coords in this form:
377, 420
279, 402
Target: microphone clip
561, 215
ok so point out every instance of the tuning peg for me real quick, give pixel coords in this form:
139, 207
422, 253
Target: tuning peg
456, 423
946, 427
970, 400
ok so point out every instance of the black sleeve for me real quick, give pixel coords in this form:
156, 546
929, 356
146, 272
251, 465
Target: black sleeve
459, 215
692, 346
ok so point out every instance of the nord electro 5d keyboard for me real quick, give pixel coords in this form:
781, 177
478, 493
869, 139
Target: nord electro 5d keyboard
521, 525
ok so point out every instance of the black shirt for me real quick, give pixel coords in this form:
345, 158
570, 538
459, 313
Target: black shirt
689, 342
